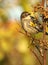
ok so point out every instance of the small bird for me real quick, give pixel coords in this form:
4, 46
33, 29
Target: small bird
29, 23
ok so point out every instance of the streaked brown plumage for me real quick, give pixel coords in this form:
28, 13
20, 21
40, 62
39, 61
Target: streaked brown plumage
28, 23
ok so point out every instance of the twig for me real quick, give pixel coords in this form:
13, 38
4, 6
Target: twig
44, 38
35, 56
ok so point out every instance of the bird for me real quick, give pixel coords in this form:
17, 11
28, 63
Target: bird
29, 23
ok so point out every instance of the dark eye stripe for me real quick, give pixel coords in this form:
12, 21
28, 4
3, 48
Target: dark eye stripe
27, 14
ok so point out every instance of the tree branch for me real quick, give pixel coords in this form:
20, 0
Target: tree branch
35, 56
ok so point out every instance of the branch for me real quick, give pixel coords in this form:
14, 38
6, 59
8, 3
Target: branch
35, 56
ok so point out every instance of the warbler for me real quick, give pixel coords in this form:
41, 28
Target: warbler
29, 23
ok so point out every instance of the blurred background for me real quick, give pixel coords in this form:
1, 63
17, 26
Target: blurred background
14, 45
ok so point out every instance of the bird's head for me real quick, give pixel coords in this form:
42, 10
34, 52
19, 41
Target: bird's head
25, 15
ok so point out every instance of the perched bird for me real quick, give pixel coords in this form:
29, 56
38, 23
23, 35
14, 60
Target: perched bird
29, 23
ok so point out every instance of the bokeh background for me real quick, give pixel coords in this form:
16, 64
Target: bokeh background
14, 43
